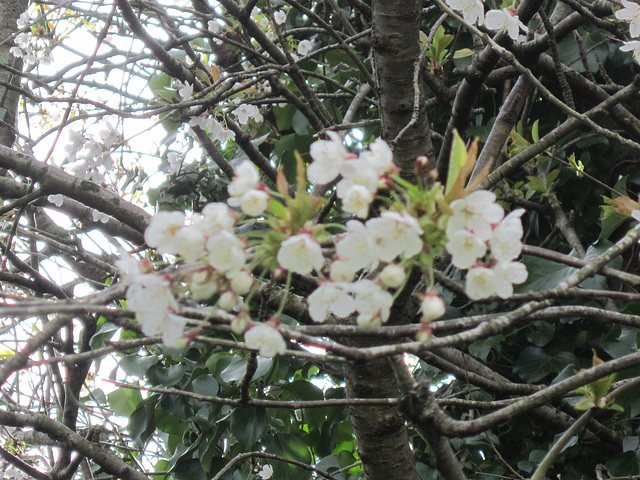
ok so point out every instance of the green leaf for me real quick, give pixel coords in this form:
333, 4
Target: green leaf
124, 401
167, 376
190, 470
248, 425
205, 385
457, 159
136, 365
534, 364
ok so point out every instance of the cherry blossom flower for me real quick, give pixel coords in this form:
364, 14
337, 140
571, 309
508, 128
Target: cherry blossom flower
191, 242
57, 200
266, 339
185, 90
304, 47
267, 470
506, 275
373, 303
330, 298
394, 234
630, 13
161, 233
357, 200
300, 254
279, 17
355, 249
357, 172
433, 306
244, 112
216, 218
505, 242
226, 252
472, 10
253, 203
23, 20
379, 156
203, 284
246, 178
465, 249
340, 271
505, 20
328, 158
476, 212
634, 47
481, 283
151, 299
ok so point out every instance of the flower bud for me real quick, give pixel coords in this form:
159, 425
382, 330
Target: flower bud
392, 276
240, 322
227, 301
425, 333
241, 282
432, 306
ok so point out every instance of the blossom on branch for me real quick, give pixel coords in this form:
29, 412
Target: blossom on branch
301, 254
505, 20
630, 13
266, 339
472, 10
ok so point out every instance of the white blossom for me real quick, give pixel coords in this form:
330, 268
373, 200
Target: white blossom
246, 178
22, 40
280, 17
330, 298
341, 271
227, 301
75, 142
109, 135
161, 233
266, 339
267, 470
57, 200
476, 213
328, 158
465, 249
191, 241
244, 112
472, 10
355, 249
394, 234
630, 13
506, 275
300, 254
216, 218
379, 156
226, 252
480, 283
254, 203
304, 47
373, 303
505, 243
185, 90
23, 20
357, 200
505, 20
634, 47
98, 216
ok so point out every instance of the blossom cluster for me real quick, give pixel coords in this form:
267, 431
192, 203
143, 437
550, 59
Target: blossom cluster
479, 230
24, 46
360, 175
360, 271
631, 13
503, 20
90, 156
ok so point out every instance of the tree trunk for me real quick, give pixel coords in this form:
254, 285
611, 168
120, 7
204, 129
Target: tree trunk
396, 48
10, 10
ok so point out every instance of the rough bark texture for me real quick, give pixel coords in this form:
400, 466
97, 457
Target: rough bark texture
396, 47
10, 10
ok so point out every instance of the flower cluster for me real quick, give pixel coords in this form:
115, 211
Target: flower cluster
25, 48
504, 20
485, 242
213, 127
360, 269
360, 174
631, 13
90, 156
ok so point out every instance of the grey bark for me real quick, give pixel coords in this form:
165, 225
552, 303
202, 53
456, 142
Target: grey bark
10, 10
